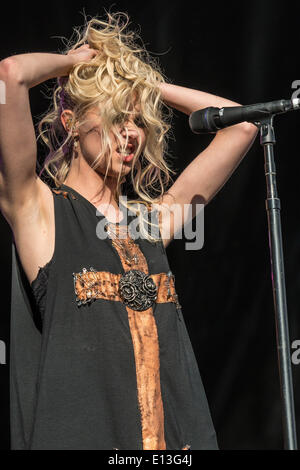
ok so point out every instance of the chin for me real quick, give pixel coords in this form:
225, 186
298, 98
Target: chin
114, 174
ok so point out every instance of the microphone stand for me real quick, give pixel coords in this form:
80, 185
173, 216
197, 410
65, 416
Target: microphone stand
267, 140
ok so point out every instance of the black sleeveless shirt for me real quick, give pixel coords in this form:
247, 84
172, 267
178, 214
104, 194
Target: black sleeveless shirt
76, 382
39, 288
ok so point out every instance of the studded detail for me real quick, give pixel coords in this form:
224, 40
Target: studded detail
168, 284
137, 290
64, 193
91, 284
60, 191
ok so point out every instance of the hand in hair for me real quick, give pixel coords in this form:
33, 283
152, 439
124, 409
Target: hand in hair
83, 53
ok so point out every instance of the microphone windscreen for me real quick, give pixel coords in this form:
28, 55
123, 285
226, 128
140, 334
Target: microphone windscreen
204, 120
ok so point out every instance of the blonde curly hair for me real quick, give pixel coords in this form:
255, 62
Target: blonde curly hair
122, 73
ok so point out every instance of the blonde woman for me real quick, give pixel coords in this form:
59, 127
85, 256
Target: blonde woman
100, 354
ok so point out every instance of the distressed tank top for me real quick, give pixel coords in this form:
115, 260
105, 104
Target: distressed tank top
108, 363
39, 288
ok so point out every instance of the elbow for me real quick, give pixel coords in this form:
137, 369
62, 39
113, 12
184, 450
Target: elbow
249, 129
10, 70
245, 130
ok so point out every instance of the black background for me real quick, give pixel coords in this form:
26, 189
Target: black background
247, 52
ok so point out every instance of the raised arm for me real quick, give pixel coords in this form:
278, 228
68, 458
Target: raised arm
19, 183
209, 171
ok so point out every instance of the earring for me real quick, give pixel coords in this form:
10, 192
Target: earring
75, 146
68, 125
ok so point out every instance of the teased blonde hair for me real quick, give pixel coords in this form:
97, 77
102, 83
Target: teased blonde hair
119, 75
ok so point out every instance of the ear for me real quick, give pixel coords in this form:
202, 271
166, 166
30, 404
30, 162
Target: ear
66, 118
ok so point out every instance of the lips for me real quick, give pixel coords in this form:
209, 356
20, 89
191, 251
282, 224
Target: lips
125, 157
128, 158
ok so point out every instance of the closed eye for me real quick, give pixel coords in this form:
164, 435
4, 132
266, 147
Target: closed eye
94, 129
139, 121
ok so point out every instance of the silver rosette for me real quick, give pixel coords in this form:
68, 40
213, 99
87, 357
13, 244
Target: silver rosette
137, 290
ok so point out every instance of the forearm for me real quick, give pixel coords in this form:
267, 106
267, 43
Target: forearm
210, 170
188, 100
34, 68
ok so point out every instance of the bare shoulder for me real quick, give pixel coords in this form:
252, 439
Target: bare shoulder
33, 227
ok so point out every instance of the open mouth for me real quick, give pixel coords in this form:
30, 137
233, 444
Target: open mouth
127, 154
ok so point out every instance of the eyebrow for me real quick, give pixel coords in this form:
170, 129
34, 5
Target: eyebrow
136, 115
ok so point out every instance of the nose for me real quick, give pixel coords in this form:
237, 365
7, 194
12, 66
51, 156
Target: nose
130, 129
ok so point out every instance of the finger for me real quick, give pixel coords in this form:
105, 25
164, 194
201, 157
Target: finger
78, 49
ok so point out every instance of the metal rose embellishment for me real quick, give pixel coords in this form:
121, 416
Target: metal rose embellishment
137, 290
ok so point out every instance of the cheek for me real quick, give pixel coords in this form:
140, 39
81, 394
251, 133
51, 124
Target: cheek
91, 147
143, 139
91, 142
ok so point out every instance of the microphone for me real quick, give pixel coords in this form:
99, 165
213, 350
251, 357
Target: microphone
210, 120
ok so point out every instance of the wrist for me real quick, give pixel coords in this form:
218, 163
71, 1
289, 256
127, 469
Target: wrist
163, 88
71, 60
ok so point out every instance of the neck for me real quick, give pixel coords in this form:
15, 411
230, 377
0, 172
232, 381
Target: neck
90, 184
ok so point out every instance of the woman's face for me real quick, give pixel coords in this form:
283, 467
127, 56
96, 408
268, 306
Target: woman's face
90, 143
